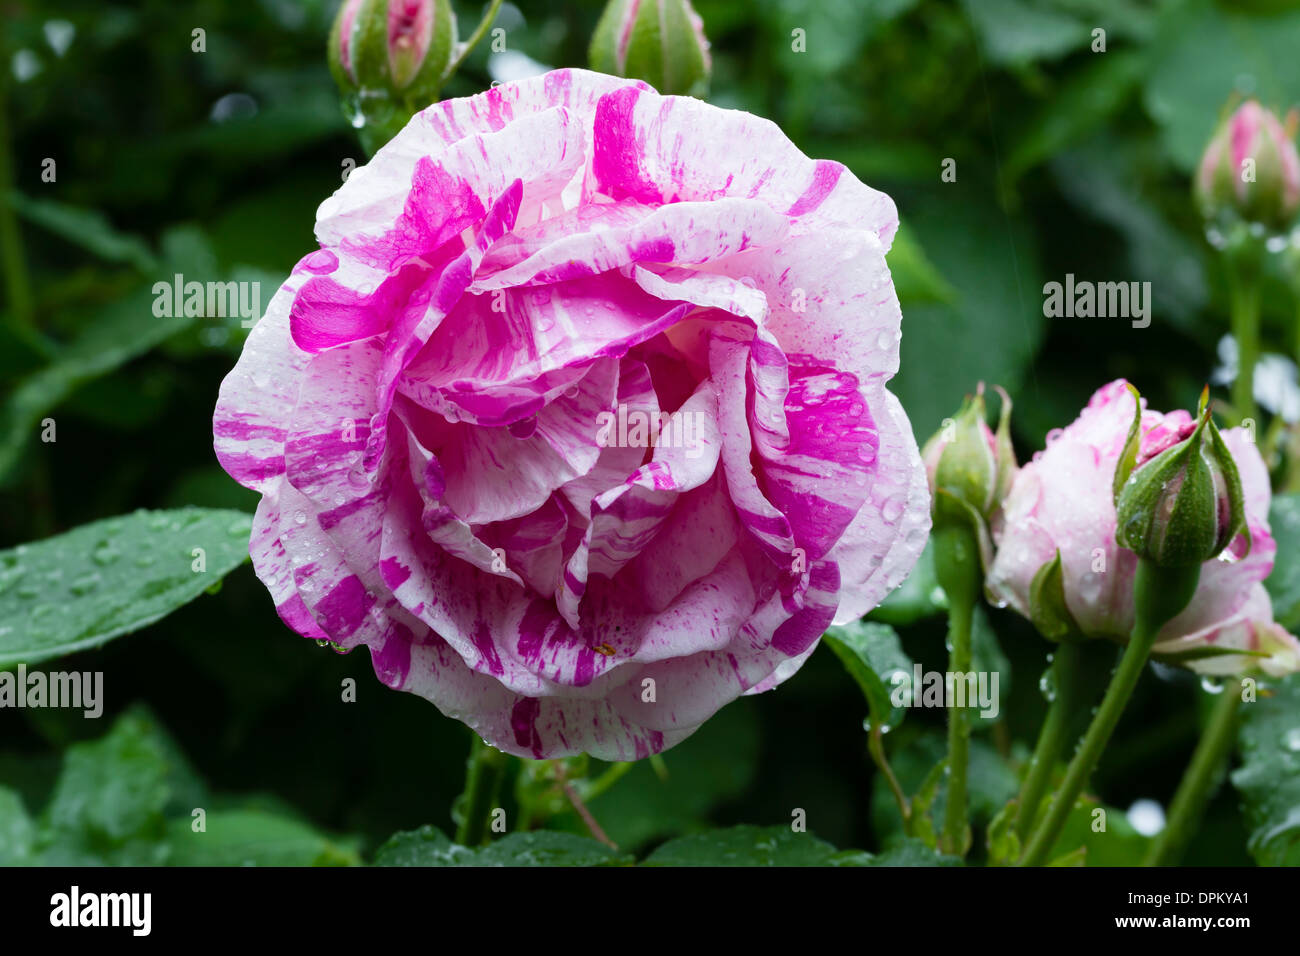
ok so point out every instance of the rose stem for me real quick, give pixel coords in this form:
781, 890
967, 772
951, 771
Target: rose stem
876, 747
1159, 594
1199, 782
1065, 678
467, 47
957, 568
587, 818
1243, 288
11, 248
482, 777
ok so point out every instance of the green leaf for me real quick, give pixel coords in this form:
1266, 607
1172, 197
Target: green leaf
17, 832
1284, 583
429, 846
1088, 99
993, 328
1118, 844
1269, 777
80, 589
1106, 180
111, 337
88, 228
114, 788
915, 277
252, 838
835, 30
1013, 32
917, 598
417, 848
874, 658
908, 851
744, 846
107, 338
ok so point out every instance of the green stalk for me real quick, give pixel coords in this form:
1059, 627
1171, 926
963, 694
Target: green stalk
1159, 594
483, 773
876, 747
12, 261
1199, 782
1055, 733
468, 46
1243, 260
957, 569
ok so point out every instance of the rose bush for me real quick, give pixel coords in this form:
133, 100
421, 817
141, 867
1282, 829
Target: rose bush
419, 409
1062, 502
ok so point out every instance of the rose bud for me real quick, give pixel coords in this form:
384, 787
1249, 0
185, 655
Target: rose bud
970, 468
1058, 557
1250, 170
390, 58
968, 461
1184, 505
659, 41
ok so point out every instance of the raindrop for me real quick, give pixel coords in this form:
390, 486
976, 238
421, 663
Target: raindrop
1047, 686
59, 34
233, 106
1147, 817
25, 65
84, 585
1291, 740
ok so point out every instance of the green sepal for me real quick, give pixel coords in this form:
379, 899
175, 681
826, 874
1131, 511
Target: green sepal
1048, 609
1128, 456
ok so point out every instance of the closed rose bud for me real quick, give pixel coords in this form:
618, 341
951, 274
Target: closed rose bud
659, 41
968, 462
390, 59
340, 47
1250, 170
1183, 506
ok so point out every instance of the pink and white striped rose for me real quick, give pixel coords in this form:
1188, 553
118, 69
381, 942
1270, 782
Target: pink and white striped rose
419, 408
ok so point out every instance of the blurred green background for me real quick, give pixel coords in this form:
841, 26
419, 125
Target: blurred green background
212, 164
